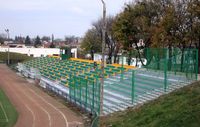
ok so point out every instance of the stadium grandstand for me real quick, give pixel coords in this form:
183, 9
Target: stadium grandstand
78, 80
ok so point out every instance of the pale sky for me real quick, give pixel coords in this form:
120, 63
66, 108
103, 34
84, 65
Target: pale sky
58, 17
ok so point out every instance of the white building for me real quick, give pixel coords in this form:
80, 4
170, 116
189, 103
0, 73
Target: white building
36, 52
98, 57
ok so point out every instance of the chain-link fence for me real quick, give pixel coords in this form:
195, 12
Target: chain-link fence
85, 93
164, 71
180, 65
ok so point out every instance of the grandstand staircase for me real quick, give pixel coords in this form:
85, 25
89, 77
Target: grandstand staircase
148, 86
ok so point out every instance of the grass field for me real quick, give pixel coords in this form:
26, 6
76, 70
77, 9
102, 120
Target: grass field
178, 109
8, 114
14, 57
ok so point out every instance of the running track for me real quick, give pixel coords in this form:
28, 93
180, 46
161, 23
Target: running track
35, 108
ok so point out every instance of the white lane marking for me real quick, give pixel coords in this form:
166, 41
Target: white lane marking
4, 112
33, 114
66, 122
75, 122
27, 107
49, 117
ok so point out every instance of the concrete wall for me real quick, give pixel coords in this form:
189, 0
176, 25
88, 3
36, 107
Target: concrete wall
35, 52
97, 57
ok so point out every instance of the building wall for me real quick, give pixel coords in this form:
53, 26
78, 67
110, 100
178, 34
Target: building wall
35, 52
98, 57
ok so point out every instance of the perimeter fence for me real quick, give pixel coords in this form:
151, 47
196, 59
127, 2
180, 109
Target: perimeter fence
164, 69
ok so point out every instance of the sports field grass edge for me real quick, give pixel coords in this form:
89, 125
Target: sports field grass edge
9, 109
180, 108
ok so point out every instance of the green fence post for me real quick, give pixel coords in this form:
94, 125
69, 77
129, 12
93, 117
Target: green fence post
187, 63
147, 57
86, 90
99, 91
70, 89
122, 68
96, 92
133, 86
74, 88
80, 87
165, 71
93, 96
197, 63
175, 56
158, 60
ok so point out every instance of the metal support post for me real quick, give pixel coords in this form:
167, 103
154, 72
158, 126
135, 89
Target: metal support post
122, 68
197, 63
86, 94
165, 71
133, 86
102, 62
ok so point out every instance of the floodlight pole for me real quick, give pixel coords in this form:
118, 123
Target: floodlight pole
8, 36
102, 62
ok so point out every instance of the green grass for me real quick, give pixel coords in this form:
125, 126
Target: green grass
178, 109
7, 108
14, 57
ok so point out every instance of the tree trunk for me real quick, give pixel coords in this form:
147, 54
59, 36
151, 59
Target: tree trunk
158, 60
115, 58
129, 58
182, 58
170, 57
115, 53
92, 55
111, 49
136, 64
199, 56
110, 57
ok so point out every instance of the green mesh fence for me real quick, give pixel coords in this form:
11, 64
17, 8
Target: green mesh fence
95, 122
155, 58
164, 70
176, 60
177, 64
85, 93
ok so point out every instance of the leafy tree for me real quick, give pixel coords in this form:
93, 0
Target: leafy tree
91, 42
127, 30
52, 45
27, 40
37, 42
71, 39
2, 38
111, 43
45, 38
160, 23
193, 17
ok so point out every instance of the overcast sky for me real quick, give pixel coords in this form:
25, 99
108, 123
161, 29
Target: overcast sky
58, 17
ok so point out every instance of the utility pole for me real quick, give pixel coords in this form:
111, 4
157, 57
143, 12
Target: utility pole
8, 37
52, 38
102, 62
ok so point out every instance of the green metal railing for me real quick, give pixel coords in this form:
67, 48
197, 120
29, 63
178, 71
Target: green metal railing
173, 63
85, 93
163, 68
95, 122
